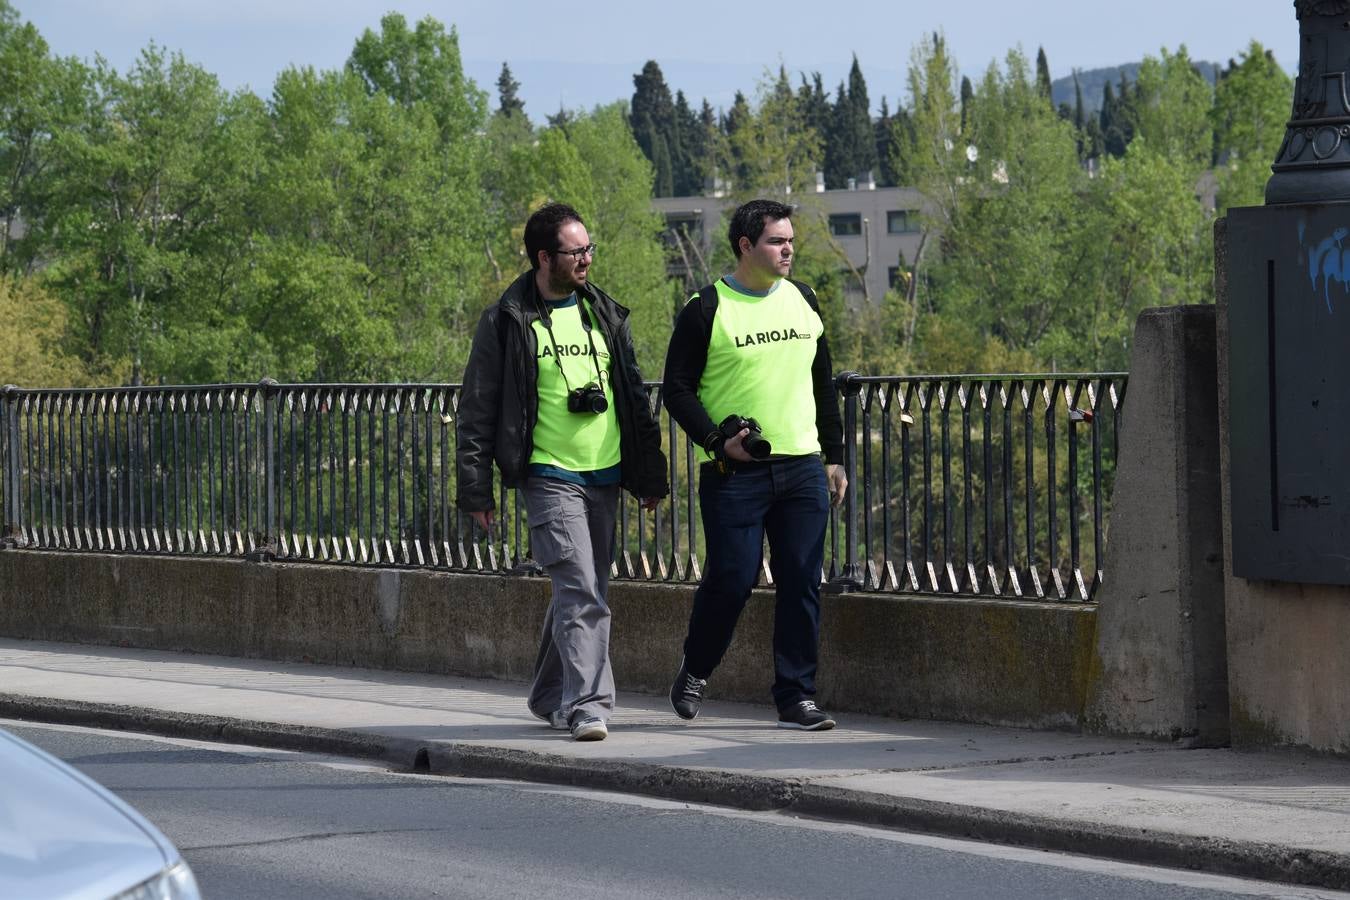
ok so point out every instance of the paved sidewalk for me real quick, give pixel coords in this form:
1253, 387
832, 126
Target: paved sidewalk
1276, 816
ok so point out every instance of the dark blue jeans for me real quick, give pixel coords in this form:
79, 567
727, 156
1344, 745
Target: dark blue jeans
786, 500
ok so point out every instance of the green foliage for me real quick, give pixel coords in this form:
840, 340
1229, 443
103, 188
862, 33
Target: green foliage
352, 225
1043, 76
653, 122
596, 166
139, 202
32, 337
509, 104
1042, 267
1171, 106
850, 145
617, 207
1010, 265
1251, 106
40, 97
1116, 120
421, 67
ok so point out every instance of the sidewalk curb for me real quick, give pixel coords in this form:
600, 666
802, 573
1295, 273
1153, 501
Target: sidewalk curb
1267, 862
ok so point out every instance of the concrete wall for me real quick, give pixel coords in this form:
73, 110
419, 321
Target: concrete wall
1288, 644
996, 662
1160, 668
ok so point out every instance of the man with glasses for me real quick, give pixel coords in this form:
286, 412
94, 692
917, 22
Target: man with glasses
553, 394
748, 378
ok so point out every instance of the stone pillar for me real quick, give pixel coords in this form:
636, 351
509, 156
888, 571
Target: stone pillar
1160, 668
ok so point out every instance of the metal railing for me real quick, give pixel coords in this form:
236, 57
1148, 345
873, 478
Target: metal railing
1020, 475
364, 475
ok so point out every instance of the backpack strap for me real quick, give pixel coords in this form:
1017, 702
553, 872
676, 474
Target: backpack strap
807, 294
707, 306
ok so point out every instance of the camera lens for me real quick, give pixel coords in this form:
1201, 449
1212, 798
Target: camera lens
756, 446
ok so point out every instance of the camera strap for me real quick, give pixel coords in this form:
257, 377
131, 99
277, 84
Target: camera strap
584, 313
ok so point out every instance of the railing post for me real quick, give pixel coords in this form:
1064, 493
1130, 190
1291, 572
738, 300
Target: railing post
850, 573
13, 475
267, 539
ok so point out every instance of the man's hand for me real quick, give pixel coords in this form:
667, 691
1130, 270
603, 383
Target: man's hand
650, 503
483, 517
734, 448
837, 482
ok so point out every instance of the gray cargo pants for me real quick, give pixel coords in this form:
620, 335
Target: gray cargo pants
572, 537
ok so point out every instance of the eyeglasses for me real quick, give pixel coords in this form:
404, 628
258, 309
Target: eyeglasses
578, 253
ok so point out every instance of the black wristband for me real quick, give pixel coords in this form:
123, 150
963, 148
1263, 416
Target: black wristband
713, 443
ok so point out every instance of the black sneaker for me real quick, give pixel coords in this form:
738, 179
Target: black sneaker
686, 694
805, 716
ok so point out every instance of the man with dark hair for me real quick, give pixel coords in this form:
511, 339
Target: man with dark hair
748, 378
553, 394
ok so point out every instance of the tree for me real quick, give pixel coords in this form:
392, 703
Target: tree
860, 121
1012, 245
691, 140
850, 146
1171, 106
421, 66
373, 264
839, 164
33, 337
1251, 105
776, 151
653, 123
509, 104
967, 94
1150, 245
731, 145
882, 131
813, 101
597, 167
40, 98
148, 190
1117, 118
1043, 84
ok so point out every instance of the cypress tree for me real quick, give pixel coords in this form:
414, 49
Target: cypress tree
652, 116
691, 143
664, 183
881, 143
509, 103
1043, 75
1078, 116
967, 95
1117, 124
1078, 121
735, 119
860, 123
814, 104
839, 156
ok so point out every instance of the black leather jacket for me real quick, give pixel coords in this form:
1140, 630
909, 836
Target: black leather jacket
500, 401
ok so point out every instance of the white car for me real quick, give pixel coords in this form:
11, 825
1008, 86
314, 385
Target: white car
62, 835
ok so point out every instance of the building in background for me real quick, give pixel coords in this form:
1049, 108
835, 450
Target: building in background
874, 229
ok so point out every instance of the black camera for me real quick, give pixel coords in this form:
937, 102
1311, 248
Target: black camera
588, 399
754, 442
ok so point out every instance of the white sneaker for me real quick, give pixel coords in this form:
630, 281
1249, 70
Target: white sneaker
589, 728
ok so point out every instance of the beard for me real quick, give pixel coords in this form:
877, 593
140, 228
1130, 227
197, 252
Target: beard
565, 283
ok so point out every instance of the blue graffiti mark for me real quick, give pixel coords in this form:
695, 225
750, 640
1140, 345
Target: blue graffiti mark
1328, 261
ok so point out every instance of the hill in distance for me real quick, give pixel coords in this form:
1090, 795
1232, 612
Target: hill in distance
1094, 82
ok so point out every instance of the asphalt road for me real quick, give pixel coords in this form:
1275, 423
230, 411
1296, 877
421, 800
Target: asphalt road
257, 823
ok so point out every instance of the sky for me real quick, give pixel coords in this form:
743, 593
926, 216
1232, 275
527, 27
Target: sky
580, 53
